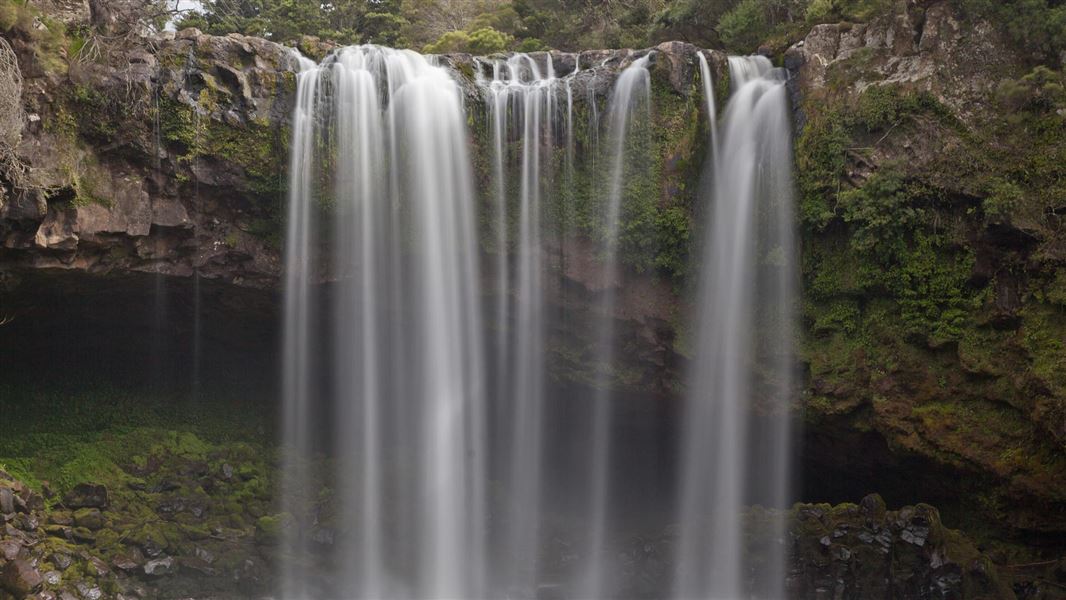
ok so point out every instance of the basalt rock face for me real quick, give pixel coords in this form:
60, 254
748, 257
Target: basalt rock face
930, 161
165, 156
168, 155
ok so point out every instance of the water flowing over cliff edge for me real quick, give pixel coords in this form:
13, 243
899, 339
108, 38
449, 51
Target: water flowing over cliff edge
926, 361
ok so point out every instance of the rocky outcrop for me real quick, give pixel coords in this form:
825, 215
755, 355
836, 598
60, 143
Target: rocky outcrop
175, 528
201, 543
166, 156
931, 167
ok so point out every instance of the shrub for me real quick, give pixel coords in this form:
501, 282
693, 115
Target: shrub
487, 41
744, 27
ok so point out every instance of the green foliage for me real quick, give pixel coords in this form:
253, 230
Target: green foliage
823, 147
889, 220
1041, 90
883, 106
353, 22
488, 41
930, 284
531, 45
819, 10
743, 27
482, 41
1003, 197
452, 41
1038, 26
50, 433
881, 213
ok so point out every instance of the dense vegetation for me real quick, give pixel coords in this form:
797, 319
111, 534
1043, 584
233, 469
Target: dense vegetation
482, 26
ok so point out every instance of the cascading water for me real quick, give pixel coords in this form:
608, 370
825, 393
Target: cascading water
629, 104
380, 143
530, 116
437, 491
745, 318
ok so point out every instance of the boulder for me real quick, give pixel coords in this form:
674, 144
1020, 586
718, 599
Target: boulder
90, 518
160, 566
86, 495
20, 578
7, 501
9, 549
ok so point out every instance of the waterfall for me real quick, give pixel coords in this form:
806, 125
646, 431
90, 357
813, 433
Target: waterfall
522, 93
708, 96
730, 458
297, 331
629, 105
438, 414
380, 143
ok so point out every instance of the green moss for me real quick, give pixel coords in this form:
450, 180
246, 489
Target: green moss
1044, 336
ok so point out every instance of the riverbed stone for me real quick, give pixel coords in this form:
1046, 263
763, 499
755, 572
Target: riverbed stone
87, 495
90, 518
20, 578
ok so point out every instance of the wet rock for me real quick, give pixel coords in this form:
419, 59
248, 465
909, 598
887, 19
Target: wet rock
98, 567
198, 565
89, 592
151, 546
125, 563
9, 549
168, 507
7, 500
20, 578
82, 535
87, 495
61, 561
26, 522
166, 485
873, 507
89, 518
160, 566
205, 555
61, 517
59, 531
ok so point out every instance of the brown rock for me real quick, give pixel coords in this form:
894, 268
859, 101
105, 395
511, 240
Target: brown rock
87, 495
9, 549
90, 518
20, 578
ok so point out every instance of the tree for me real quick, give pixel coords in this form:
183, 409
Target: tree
344, 22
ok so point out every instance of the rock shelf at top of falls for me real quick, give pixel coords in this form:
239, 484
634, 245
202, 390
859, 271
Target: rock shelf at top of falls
170, 158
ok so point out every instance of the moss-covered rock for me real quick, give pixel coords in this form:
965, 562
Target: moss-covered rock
930, 247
